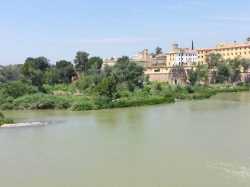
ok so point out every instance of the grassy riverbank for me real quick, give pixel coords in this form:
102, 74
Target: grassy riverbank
65, 97
4, 120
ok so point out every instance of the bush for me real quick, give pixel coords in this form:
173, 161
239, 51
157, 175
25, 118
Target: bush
128, 102
16, 89
42, 101
83, 105
7, 106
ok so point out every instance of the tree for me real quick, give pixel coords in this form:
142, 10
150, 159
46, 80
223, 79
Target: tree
129, 73
65, 70
34, 70
94, 65
223, 73
16, 89
107, 87
158, 51
52, 76
81, 61
10, 73
202, 72
193, 77
245, 63
235, 65
213, 60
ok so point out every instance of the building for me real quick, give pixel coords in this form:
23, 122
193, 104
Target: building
109, 61
227, 51
161, 66
181, 56
144, 58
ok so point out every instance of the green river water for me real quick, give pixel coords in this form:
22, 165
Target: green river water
187, 144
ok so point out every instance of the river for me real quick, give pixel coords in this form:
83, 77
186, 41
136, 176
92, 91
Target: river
202, 143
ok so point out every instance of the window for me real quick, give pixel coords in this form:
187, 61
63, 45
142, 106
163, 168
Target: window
157, 70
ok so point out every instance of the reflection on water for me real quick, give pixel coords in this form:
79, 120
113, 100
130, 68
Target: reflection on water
192, 144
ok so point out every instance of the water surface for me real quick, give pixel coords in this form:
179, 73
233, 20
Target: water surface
188, 144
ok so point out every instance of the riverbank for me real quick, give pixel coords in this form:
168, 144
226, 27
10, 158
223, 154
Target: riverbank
153, 94
4, 121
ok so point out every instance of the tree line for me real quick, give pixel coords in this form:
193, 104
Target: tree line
219, 70
87, 72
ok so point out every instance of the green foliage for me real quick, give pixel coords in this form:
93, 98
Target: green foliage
16, 89
202, 71
193, 77
129, 73
34, 70
10, 73
51, 76
235, 65
94, 65
122, 85
85, 83
60, 89
223, 73
107, 87
65, 71
214, 59
41, 102
83, 105
81, 61
245, 63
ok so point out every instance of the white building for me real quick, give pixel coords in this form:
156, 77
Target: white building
186, 57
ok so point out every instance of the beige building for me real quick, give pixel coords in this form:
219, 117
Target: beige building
109, 61
161, 66
227, 51
142, 56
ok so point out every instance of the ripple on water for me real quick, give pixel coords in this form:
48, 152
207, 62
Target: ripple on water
239, 171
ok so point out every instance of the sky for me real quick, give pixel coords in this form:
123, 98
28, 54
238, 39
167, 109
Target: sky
57, 29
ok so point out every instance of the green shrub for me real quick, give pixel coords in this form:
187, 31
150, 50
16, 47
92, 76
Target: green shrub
7, 106
83, 105
16, 89
42, 101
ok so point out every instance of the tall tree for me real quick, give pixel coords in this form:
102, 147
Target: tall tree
235, 65
223, 73
81, 61
158, 51
34, 70
65, 70
193, 77
214, 59
129, 73
94, 65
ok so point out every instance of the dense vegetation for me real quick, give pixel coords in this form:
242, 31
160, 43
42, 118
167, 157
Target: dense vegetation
87, 85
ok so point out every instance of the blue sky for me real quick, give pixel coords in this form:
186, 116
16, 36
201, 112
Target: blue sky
58, 28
